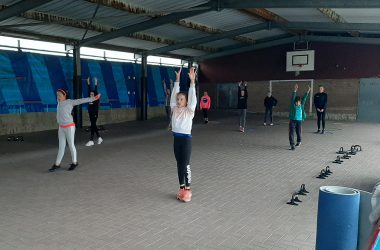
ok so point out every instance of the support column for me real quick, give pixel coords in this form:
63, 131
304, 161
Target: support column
77, 86
144, 89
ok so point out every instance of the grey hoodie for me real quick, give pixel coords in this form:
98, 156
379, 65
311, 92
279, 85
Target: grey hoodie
65, 108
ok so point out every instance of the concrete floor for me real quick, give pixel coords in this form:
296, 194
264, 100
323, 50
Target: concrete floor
123, 194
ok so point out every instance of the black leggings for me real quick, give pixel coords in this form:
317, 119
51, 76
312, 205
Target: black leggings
182, 152
205, 113
321, 117
94, 128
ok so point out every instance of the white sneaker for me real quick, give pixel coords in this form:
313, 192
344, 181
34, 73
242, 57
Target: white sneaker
271, 124
90, 143
265, 123
100, 140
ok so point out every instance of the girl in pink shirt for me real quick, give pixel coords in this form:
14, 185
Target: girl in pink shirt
205, 105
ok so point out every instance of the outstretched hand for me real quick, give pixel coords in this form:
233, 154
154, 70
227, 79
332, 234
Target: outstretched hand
295, 87
97, 97
178, 74
192, 75
96, 81
240, 83
245, 84
88, 80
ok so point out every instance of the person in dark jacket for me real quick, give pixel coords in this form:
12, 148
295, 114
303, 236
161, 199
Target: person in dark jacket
269, 103
93, 110
320, 102
242, 104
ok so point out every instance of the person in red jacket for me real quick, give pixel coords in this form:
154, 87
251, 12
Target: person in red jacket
205, 105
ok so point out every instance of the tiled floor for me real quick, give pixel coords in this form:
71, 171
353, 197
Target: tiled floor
123, 194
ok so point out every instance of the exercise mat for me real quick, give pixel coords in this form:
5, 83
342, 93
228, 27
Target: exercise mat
338, 218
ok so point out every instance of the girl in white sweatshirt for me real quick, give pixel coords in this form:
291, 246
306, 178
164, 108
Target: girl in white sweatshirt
66, 130
183, 109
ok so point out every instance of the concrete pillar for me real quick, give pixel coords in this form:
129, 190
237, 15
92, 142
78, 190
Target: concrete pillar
144, 88
77, 86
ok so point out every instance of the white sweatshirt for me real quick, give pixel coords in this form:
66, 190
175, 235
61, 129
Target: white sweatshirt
182, 118
375, 202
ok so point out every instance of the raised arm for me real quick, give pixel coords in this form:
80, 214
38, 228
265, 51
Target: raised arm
88, 85
173, 98
304, 98
294, 93
96, 86
84, 100
192, 97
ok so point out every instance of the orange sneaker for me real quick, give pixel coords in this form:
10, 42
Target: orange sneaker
186, 197
180, 194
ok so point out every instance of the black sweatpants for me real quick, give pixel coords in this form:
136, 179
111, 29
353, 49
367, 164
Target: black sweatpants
321, 118
182, 152
295, 125
205, 113
94, 128
270, 112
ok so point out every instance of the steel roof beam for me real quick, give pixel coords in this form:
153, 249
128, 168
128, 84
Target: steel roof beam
245, 4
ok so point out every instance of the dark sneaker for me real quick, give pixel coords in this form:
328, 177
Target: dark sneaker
298, 144
292, 148
54, 167
318, 131
323, 132
73, 166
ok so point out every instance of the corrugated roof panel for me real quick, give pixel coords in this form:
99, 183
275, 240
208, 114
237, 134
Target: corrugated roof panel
105, 15
59, 31
224, 20
264, 33
222, 43
300, 14
175, 32
16, 20
9, 2
134, 43
188, 52
360, 15
164, 5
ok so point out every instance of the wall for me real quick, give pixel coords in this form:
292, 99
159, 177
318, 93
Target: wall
28, 84
332, 61
39, 121
337, 66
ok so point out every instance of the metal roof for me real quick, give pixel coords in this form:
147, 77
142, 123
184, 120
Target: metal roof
196, 28
301, 15
224, 19
360, 15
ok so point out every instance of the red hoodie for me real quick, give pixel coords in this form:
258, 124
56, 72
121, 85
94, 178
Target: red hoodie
205, 102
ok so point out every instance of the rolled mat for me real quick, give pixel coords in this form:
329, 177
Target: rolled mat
338, 218
365, 226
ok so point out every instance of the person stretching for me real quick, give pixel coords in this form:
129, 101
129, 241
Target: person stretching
93, 111
183, 110
66, 130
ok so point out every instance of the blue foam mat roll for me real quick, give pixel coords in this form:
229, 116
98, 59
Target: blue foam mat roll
338, 218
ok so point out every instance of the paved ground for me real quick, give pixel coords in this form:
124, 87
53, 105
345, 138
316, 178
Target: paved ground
123, 194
